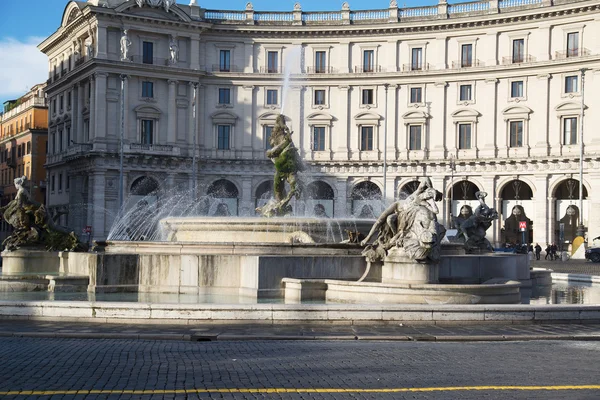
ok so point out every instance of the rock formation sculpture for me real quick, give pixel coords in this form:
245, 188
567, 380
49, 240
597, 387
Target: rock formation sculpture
33, 226
287, 162
411, 226
472, 230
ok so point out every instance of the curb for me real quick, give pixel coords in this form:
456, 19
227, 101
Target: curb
238, 337
575, 277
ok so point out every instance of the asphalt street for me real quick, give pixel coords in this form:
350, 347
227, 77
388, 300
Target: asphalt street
139, 369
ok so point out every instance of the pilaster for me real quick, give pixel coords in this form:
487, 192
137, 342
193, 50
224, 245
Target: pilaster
541, 210
98, 205
194, 53
100, 107
246, 206
193, 120
127, 134
248, 122
437, 126
341, 207
101, 42
540, 88
249, 66
78, 134
340, 141
172, 113
593, 225
551, 224
486, 126
92, 124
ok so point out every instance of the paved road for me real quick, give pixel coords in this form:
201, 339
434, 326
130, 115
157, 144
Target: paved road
569, 267
58, 368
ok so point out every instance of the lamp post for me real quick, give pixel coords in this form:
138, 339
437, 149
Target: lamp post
385, 135
195, 133
121, 135
581, 228
452, 167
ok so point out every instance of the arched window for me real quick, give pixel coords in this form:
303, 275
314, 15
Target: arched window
366, 200
222, 198
319, 199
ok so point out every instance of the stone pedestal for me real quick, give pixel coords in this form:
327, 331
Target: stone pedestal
26, 262
397, 268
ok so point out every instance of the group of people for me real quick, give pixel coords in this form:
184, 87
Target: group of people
536, 251
551, 252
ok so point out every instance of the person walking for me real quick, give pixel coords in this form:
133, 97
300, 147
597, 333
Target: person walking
548, 251
553, 250
538, 250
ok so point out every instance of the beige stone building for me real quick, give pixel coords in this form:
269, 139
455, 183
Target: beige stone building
489, 95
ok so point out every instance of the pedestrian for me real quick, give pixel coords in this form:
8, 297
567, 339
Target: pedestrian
553, 250
548, 251
538, 250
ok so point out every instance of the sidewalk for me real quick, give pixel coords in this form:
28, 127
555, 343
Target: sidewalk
569, 267
214, 332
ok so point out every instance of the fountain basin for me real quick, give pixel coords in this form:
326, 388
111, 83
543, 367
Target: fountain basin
261, 230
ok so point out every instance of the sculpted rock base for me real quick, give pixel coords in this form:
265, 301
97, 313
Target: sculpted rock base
398, 268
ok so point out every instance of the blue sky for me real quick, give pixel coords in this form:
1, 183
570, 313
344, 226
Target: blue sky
24, 24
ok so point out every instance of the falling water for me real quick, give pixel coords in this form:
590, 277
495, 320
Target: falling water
291, 66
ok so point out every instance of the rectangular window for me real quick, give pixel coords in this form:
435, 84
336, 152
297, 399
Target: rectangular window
416, 61
268, 131
516, 133
224, 96
366, 138
223, 132
29, 145
68, 136
367, 96
272, 97
147, 131
68, 183
416, 95
52, 183
225, 61
465, 92
60, 140
319, 97
69, 100
272, 62
147, 89
319, 138
368, 60
518, 51
148, 53
571, 84
466, 55
573, 44
570, 130
54, 106
464, 136
516, 89
320, 62
18, 151
414, 137
54, 143
59, 182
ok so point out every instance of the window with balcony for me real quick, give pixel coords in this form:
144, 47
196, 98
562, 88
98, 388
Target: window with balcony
224, 96
571, 84
223, 136
319, 97
516, 89
465, 93
272, 62
318, 138
147, 89
272, 96
267, 130
464, 136
416, 95
68, 129
225, 60
52, 183
518, 50
570, 131
416, 59
148, 53
573, 44
366, 138
367, 96
60, 141
320, 62
466, 55
516, 133
368, 61
60, 182
414, 137
147, 136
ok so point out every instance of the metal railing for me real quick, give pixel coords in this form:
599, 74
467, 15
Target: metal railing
578, 52
367, 69
466, 64
522, 59
162, 148
269, 70
413, 67
226, 68
320, 70
32, 102
138, 59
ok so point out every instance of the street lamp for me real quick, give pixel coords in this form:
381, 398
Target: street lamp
195, 133
452, 167
581, 228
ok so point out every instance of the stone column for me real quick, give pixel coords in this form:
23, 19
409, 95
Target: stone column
248, 122
100, 104
551, 225
74, 114
489, 186
340, 208
541, 210
246, 206
78, 135
92, 124
446, 221
497, 228
194, 53
593, 219
172, 113
98, 203
101, 39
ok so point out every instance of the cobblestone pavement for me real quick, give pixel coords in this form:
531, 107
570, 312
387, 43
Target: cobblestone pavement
57, 368
569, 267
218, 332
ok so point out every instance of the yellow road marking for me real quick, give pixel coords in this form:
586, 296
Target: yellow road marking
295, 390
